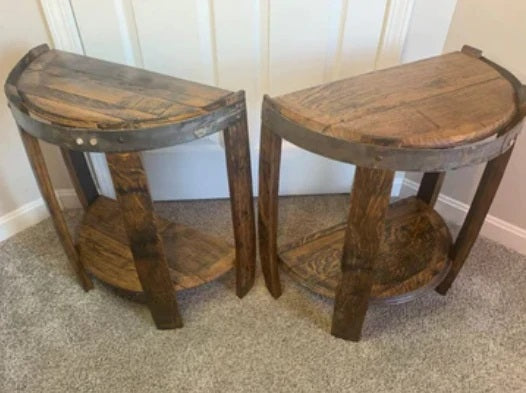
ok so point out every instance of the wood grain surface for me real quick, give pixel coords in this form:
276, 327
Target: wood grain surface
237, 154
269, 163
38, 164
78, 91
414, 251
140, 223
439, 102
364, 235
486, 190
193, 258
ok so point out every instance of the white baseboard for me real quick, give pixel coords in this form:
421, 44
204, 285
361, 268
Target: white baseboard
33, 212
494, 228
67, 197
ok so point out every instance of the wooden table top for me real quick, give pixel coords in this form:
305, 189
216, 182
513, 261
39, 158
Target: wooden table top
77, 91
439, 102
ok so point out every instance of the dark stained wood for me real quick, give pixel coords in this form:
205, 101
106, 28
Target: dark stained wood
10, 89
78, 91
413, 255
242, 203
269, 163
146, 244
36, 159
87, 104
433, 103
486, 190
83, 104
387, 157
363, 236
80, 176
430, 116
472, 51
193, 258
430, 186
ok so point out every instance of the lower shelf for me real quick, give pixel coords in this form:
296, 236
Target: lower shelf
412, 258
193, 257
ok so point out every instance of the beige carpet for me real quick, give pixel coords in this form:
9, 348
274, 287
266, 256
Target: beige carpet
56, 338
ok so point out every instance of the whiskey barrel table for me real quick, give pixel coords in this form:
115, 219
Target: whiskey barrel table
87, 105
430, 116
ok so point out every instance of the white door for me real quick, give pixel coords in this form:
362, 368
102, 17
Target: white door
261, 46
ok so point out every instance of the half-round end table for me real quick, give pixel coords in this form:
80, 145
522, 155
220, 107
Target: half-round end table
83, 105
430, 116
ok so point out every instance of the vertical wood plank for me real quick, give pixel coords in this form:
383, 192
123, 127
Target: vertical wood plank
242, 203
365, 228
269, 165
486, 190
146, 244
430, 186
36, 159
80, 176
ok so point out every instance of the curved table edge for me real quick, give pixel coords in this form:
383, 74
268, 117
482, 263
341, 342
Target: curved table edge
140, 136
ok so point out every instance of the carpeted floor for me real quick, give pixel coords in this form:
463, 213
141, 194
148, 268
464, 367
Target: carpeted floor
56, 338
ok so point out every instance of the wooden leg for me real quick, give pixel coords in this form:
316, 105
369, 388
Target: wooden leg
269, 162
242, 204
365, 228
430, 187
146, 245
80, 176
486, 190
34, 153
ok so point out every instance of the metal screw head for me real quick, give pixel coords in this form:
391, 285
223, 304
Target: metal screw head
79, 141
93, 141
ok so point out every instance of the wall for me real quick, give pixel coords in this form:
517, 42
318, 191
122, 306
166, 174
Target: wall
21, 27
497, 27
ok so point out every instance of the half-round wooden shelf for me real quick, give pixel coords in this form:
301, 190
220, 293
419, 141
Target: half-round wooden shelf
194, 258
413, 256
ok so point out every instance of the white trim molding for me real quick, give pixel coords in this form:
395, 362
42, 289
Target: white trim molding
62, 25
60, 18
396, 24
25, 216
494, 228
33, 212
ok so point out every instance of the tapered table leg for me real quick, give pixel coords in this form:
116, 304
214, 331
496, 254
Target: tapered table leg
80, 176
36, 159
269, 163
365, 229
242, 203
146, 244
486, 190
430, 186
